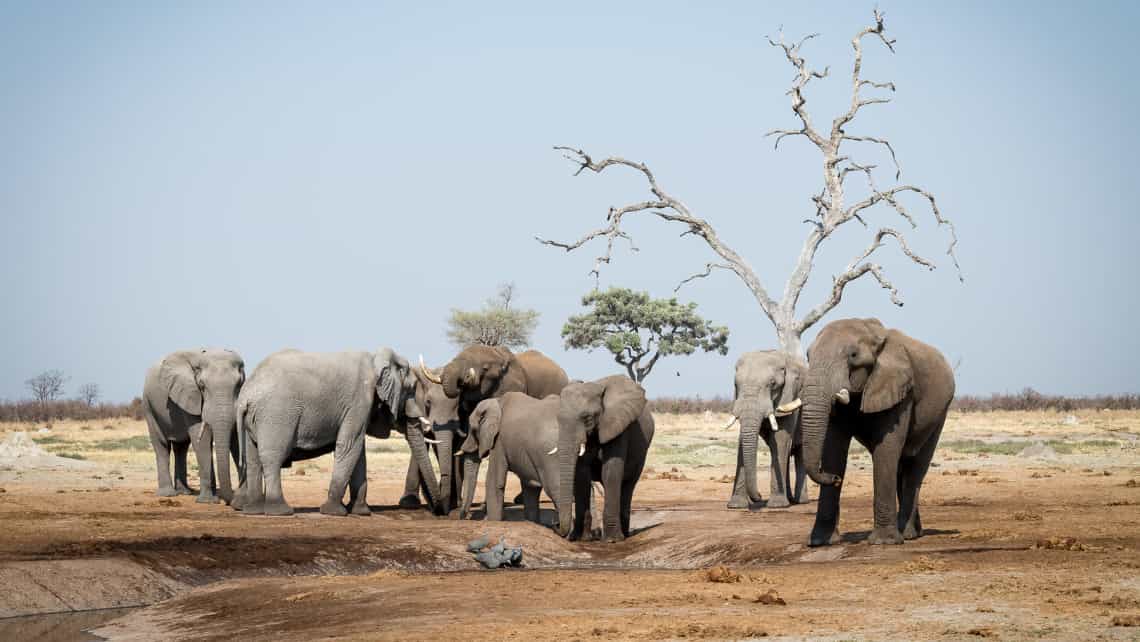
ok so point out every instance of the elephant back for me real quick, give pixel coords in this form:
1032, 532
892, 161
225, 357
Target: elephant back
543, 376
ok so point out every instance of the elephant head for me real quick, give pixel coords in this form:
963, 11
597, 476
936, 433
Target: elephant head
480, 372
206, 383
767, 387
441, 418
591, 415
397, 405
852, 361
481, 437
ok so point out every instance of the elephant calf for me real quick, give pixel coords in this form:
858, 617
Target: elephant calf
188, 398
517, 433
300, 405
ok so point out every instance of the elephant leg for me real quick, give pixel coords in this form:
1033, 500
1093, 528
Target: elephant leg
780, 446
613, 469
530, 495
274, 503
912, 471
204, 452
349, 451
583, 490
358, 489
411, 496
251, 495
495, 487
181, 483
739, 498
627, 487
885, 462
801, 494
825, 531
161, 457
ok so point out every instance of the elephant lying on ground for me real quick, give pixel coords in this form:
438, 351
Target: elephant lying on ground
300, 405
484, 372
188, 398
890, 393
604, 432
765, 404
517, 433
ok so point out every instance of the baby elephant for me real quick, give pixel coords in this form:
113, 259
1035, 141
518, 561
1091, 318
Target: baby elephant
518, 433
300, 405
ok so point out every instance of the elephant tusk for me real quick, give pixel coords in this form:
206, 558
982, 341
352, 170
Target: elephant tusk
582, 449
426, 423
731, 423
471, 376
772, 419
843, 396
788, 408
428, 373
553, 451
430, 440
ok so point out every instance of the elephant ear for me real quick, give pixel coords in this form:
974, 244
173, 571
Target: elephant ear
177, 374
390, 379
794, 371
485, 422
623, 401
891, 378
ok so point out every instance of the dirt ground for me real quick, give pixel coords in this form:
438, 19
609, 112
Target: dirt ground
1033, 532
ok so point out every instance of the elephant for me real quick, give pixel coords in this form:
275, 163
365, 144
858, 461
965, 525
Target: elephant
604, 432
765, 403
441, 418
188, 398
517, 433
890, 393
481, 372
300, 405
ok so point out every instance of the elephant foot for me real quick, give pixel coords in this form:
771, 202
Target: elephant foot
333, 507
253, 508
518, 500
166, 492
182, 489
912, 532
410, 501
885, 535
824, 537
611, 538
361, 509
778, 501
238, 503
207, 499
738, 502
278, 509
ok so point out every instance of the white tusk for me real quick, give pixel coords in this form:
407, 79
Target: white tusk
789, 407
426, 423
843, 396
772, 419
428, 373
553, 451
582, 450
430, 441
471, 376
731, 423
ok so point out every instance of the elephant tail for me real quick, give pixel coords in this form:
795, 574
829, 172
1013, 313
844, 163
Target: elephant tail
240, 423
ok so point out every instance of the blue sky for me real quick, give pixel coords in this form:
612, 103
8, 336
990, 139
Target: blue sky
267, 175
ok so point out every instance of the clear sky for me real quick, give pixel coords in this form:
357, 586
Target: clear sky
266, 175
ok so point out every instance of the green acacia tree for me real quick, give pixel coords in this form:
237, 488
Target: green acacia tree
632, 327
496, 324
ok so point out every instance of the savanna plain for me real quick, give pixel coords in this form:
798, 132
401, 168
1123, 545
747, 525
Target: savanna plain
1032, 532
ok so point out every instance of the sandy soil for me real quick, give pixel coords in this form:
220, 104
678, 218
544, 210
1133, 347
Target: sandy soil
1041, 543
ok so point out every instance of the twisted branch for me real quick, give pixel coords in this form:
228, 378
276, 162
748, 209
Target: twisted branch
700, 275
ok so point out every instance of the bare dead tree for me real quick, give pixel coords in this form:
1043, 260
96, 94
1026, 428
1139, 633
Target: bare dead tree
47, 386
89, 394
831, 207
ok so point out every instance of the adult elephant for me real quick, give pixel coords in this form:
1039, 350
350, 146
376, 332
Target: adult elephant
188, 398
766, 399
441, 420
604, 432
891, 393
486, 372
300, 405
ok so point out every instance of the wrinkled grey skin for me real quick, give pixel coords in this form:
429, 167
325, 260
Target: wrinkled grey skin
766, 380
300, 405
188, 398
611, 418
475, 374
514, 433
444, 426
898, 391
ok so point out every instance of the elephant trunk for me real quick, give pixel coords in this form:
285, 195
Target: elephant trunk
415, 437
450, 378
818, 396
749, 433
567, 463
219, 416
443, 451
471, 463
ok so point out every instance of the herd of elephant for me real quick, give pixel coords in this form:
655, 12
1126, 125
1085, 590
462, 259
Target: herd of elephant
522, 414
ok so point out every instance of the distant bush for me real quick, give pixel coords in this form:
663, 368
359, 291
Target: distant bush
76, 409
1028, 399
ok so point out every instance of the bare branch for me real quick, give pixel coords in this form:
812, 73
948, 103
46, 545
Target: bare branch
784, 132
881, 141
700, 275
804, 75
858, 83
